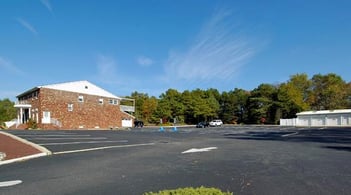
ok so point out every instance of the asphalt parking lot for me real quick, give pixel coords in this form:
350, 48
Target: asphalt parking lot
241, 159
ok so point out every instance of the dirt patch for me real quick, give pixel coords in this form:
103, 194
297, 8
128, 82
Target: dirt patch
14, 148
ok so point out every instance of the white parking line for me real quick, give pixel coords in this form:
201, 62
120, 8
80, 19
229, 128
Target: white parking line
102, 148
9, 183
44, 133
193, 150
55, 135
290, 134
51, 138
88, 142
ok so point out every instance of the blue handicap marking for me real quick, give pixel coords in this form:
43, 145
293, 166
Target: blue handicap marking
162, 129
174, 128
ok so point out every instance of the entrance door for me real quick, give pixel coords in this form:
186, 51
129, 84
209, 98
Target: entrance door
25, 116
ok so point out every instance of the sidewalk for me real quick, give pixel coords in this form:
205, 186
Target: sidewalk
18, 149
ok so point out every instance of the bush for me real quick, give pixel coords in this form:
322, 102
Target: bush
191, 191
31, 124
2, 126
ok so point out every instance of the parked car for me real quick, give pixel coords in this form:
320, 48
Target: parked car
202, 125
138, 123
216, 122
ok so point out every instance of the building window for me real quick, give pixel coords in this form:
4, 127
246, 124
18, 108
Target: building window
80, 98
101, 101
70, 107
36, 94
113, 101
46, 117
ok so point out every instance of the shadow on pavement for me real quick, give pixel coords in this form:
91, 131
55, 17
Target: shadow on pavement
341, 148
330, 135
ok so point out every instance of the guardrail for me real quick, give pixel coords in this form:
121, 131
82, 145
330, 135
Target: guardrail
55, 122
127, 108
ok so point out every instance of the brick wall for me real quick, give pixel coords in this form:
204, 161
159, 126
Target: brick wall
88, 114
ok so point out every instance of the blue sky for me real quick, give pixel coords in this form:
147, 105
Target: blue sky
150, 46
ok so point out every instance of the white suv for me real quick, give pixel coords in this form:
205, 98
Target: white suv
216, 122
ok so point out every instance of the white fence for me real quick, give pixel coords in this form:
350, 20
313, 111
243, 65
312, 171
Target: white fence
11, 123
288, 122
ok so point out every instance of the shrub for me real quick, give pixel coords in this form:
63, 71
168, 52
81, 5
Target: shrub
2, 126
31, 124
190, 191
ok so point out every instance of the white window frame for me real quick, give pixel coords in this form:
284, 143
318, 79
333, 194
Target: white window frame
46, 117
70, 107
80, 98
113, 101
101, 101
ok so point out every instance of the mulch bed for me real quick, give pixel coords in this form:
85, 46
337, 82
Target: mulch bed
14, 148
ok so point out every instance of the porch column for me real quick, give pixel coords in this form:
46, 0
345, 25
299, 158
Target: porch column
21, 116
37, 117
18, 117
29, 114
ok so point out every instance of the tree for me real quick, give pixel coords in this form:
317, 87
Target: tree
200, 105
188, 102
263, 104
267, 101
148, 110
139, 98
205, 104
170, 106
200, 108
211, 100
349, 95
294, 94
233, 106
7, 110
328, 92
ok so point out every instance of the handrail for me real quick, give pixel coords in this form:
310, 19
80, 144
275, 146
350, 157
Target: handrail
55, 122
127, 108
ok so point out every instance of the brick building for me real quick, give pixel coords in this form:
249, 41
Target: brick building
73, 105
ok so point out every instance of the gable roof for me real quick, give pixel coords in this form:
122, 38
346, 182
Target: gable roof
82, 87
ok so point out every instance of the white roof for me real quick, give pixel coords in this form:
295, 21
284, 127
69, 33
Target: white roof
341, 111
83, 87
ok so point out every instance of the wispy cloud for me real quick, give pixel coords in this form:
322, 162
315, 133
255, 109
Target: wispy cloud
144, 61
47, 4
112, 75
7, 66
106, 68
27, 25
215, 56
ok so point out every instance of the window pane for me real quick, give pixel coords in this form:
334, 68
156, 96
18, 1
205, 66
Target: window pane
70, 107
80, 98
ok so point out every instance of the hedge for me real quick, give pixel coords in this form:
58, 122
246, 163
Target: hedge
190, 191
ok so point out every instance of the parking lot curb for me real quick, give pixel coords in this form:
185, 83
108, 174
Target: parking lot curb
44, 151
22, 158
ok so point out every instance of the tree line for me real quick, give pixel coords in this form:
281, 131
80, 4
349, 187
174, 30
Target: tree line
265, 104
